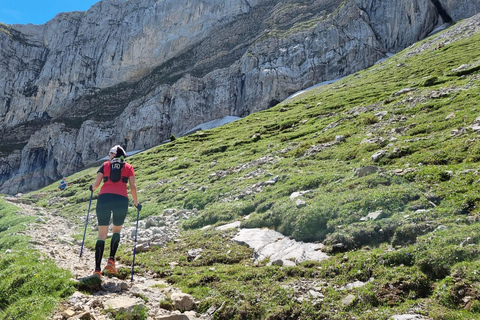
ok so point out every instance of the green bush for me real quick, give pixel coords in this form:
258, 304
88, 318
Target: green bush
196, 200
367, 119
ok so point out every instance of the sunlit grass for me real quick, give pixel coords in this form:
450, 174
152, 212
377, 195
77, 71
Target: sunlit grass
31, 287
414, 108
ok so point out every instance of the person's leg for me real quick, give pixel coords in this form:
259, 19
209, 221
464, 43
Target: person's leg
115, 241
99, 248
103, 217
119, 215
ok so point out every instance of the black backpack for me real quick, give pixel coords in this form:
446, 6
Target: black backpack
113, 170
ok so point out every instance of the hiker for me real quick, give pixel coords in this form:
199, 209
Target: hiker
113, 199
63, 184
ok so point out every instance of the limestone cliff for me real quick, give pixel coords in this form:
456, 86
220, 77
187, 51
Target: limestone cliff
136, 71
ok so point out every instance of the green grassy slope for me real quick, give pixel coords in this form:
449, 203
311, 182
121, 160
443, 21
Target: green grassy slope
31, 286
417, 109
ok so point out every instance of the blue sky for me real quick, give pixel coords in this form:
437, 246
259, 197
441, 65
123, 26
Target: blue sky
38, 11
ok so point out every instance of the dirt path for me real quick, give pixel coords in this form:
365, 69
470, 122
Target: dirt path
53, 236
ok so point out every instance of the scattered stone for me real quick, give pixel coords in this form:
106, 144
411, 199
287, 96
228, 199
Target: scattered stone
475, 127
372, 215
348, 300
68, 313
381, 114
124, 304
340, 138
142, 247
365, 171
377, 156
174, 317
297, 194
315, 294
403, 91
375, 140
356, 284
300, 203
192, 254
83, 316
183, 301
450, 116
272, 181
407, 317
441, 228
90, 283
277, 262
232, 225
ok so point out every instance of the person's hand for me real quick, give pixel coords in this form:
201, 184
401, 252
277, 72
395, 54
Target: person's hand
90, 188
139, 206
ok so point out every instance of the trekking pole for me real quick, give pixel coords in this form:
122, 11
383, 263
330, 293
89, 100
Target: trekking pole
135, 243
86, 222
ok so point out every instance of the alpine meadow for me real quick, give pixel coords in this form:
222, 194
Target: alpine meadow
386, 165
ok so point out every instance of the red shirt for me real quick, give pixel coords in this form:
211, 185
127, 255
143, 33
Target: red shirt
119, 187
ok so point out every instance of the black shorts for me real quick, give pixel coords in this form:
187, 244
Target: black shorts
109, 203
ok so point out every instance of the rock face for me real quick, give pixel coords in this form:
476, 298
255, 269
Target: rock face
135, 72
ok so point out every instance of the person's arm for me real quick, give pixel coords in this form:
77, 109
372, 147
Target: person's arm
97, 182
133, 189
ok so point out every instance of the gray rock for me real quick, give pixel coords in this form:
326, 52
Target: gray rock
232, 225
272, 244
54, 93
377, 156
173, 317
300, 203
124, 304
193, 253
373, 215
315, 294
83, 316
407, 317
365, 171
356, 284
297, 194
348, 300
183, 301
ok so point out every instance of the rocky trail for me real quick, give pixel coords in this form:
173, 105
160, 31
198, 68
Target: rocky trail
53, 236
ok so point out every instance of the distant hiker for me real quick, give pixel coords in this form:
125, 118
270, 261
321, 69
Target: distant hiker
63, 184
113, 199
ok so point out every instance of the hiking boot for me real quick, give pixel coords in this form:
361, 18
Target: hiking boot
110, 267
97, 273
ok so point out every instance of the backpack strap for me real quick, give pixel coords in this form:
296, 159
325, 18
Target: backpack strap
106, 171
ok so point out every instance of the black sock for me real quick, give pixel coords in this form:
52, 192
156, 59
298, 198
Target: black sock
114, 245
99, 247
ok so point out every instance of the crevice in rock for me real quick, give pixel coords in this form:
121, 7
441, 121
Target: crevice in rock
441, 11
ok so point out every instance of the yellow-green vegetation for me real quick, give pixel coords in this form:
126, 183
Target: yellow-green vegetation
420, 256
30, 286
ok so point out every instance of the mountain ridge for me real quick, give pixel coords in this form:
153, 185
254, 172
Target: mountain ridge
161, 68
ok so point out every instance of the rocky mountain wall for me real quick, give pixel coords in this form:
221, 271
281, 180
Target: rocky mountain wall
135, 72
